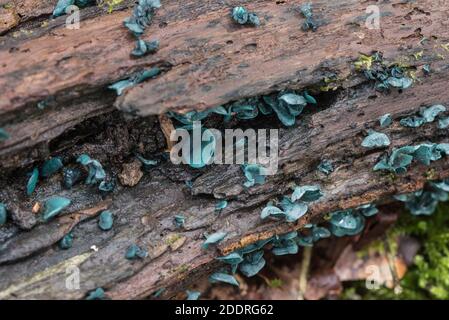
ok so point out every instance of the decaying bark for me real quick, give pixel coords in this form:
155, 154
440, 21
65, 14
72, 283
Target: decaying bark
206, 60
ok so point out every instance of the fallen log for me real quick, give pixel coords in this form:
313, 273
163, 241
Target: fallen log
207, 61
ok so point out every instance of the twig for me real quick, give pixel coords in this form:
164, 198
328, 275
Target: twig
306, 257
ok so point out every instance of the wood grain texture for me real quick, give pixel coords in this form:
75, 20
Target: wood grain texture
207, 60
145, 213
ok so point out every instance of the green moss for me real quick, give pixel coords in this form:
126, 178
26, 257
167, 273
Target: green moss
182, 269
172, 239
275, 283
385, 75
428, 277
112, 4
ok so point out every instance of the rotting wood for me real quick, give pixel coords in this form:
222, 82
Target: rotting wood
144, 214
148, 219
206, 58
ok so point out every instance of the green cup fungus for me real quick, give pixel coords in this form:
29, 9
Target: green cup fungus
243, 17
142, 16
32, 182
97, 294
214, 238
3, 214
326, 167
310, 23
66, 242
53, 206
426, 115
62, 6
96, 172
375, 140
193, 295
400, 158
51, 166
145, 47
135, 252
179, 221
4, 135
224, 278
106, 220
134, 79
385, 120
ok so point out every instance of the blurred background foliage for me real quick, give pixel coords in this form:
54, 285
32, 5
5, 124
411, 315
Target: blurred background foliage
428, 277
